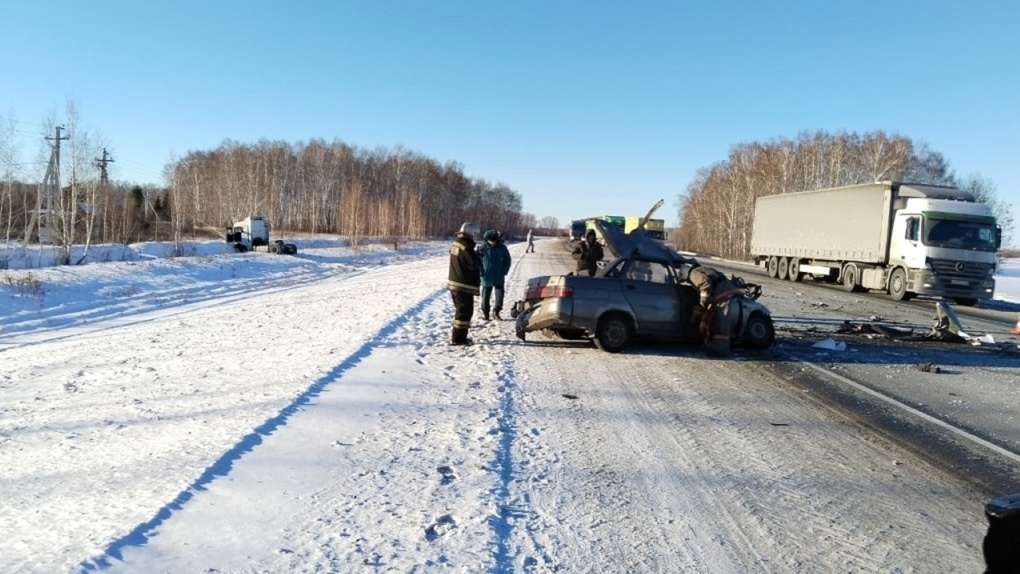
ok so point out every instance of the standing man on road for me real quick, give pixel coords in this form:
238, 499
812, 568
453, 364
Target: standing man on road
531, 242
588, 254
463, 281
495, 266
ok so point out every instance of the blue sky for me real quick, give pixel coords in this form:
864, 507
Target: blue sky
582, 107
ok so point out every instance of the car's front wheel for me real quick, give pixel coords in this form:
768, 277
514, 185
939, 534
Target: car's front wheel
613, 333
759, 333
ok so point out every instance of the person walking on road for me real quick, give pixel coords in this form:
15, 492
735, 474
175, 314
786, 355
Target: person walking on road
495, 266
531, 242
463, 281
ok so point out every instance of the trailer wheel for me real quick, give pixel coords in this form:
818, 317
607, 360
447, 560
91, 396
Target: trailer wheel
898, 285
772, 266
784, 268
793, 271
851, 278
613, 333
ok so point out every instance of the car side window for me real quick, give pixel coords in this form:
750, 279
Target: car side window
614, 271
647, 271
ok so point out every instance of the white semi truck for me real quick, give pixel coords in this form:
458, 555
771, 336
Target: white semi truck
252, 234
902, 238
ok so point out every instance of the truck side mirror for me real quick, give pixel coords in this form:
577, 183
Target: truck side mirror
998, 237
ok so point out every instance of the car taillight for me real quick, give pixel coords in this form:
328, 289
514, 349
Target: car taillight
548, 292
556, 292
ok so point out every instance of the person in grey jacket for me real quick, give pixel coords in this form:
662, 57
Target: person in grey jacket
495, 266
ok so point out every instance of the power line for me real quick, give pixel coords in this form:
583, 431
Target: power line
101, 164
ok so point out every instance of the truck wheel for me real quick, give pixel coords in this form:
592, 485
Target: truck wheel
759, 333
850, 278
772, 267
784, 268
898, 285
793, 271
613, 333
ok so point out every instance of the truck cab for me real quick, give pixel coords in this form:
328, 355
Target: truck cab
252, 234
945, 247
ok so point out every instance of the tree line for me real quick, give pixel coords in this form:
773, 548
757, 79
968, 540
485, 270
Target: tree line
716, 212
332, 187
314, 187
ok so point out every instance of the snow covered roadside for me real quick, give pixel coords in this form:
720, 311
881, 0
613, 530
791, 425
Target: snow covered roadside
171, 439
116, 419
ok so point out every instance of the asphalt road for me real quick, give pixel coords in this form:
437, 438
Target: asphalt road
955, 403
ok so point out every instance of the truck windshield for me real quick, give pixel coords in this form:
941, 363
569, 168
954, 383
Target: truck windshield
954, 234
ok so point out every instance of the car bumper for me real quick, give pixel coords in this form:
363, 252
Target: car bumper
548, 314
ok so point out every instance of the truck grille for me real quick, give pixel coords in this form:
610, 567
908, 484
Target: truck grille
960, 277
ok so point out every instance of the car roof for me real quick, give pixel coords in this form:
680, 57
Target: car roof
637, 243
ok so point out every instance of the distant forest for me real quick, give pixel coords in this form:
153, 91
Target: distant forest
334, 188
315, 187
322, 187
716, 213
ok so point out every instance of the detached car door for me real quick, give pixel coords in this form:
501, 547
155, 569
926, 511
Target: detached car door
652, 294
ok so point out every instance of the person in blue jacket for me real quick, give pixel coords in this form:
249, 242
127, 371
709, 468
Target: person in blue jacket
495, 266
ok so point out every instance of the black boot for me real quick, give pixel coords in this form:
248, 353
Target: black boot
459, 337
496, 312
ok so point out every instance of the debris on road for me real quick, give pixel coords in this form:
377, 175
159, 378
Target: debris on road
830, 345
873, 329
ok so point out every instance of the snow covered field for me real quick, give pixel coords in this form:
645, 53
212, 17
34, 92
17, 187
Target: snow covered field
242, 413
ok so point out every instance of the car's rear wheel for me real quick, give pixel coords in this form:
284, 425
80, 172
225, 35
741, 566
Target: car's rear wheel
613, 333
759, 333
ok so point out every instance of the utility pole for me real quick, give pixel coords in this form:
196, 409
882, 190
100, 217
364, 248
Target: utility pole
101, 164
51, 190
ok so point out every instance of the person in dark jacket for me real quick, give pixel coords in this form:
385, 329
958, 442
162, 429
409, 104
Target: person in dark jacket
717, 317
495, 266
588, 254
463, 281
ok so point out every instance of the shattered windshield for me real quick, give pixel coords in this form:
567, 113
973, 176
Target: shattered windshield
976, 235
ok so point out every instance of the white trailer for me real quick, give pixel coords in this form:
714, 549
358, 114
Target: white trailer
902, 238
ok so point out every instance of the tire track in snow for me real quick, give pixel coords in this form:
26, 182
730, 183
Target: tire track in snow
502, 524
